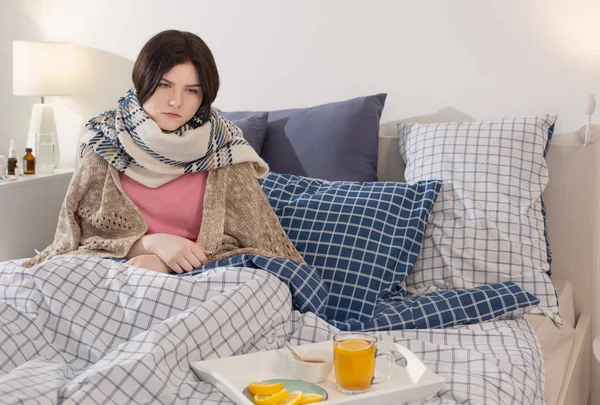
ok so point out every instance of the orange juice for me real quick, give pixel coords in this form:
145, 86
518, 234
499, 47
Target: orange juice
354, 363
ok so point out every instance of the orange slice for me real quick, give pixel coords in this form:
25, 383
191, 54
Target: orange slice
295, 398
271, 399
263, 388
310, 398
354, 344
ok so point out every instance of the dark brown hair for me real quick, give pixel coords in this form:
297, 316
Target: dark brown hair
168, 49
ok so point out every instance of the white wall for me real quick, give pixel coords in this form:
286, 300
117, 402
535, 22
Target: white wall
15, 23
486, 59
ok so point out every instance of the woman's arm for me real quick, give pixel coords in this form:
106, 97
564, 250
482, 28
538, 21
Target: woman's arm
150, 262
179, 253
141, 247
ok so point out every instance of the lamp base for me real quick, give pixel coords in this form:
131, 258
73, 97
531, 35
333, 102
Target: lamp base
42, 122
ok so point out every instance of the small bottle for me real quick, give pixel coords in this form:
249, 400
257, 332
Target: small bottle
12, 159
28, 162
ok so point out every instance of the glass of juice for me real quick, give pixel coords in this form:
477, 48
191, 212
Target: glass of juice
354, 357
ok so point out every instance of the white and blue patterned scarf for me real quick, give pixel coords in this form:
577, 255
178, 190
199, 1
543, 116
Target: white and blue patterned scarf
134, 144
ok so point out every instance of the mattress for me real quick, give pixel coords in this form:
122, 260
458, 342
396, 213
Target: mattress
556, 342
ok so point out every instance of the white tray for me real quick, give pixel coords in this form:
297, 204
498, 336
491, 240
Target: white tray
231, 376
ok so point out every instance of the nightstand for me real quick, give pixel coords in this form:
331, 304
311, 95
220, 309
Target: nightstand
29, 209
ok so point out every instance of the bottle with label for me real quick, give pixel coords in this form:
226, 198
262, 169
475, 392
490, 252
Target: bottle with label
12, 159
28, 162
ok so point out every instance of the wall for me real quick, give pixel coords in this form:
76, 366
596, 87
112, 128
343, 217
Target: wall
15, 23
486, 59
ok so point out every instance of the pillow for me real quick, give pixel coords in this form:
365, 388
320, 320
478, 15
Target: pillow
363, 238
336, 141
253, 126
546, 236
487, 225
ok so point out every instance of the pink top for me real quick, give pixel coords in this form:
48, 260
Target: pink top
174, 208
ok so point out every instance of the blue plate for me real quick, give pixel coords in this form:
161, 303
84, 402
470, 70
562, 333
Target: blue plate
293, 385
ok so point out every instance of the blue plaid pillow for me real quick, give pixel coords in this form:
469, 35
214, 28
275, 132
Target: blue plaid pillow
363, 238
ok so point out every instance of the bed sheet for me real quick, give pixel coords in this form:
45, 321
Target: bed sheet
556, 342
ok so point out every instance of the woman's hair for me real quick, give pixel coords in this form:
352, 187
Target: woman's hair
168, 49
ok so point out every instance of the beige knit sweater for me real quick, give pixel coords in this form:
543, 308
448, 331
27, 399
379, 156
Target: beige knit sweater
97, 218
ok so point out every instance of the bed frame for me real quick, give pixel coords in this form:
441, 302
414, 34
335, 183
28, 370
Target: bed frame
570, 197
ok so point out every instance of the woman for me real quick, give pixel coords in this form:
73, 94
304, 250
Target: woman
164, 180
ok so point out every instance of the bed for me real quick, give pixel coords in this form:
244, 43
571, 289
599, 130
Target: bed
85, 330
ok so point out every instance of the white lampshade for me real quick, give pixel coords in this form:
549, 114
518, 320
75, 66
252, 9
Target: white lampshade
42, 68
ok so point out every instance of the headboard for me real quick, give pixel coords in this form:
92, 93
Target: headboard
569, 198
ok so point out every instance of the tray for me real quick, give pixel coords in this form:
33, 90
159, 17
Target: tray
231, 375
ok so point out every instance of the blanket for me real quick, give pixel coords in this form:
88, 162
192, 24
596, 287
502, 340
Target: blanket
79, 329
352, 310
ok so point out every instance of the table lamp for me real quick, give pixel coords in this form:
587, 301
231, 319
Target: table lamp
42, 69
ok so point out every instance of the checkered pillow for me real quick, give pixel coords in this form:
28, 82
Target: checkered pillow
363, 238
487, 225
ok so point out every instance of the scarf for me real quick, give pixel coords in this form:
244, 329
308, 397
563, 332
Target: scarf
130, 141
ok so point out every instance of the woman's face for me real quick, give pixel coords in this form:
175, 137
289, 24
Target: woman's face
176, 99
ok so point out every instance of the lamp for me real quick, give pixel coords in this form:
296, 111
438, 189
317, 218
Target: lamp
587, 132
42, 69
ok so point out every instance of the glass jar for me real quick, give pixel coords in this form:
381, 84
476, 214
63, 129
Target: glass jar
45, 153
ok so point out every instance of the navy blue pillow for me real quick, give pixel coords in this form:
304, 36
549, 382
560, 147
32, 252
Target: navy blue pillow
253, 126
363, 238
335, 141
546, 236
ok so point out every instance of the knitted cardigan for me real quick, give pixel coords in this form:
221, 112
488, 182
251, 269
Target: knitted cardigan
97, 218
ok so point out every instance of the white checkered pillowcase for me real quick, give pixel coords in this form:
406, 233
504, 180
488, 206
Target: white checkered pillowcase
487, 225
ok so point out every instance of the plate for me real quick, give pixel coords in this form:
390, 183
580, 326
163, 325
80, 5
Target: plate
293, 385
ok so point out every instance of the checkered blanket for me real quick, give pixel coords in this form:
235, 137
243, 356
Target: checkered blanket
85, 330
360, 307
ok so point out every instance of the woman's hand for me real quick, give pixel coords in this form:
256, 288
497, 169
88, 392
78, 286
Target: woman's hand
149, 262
179, 253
